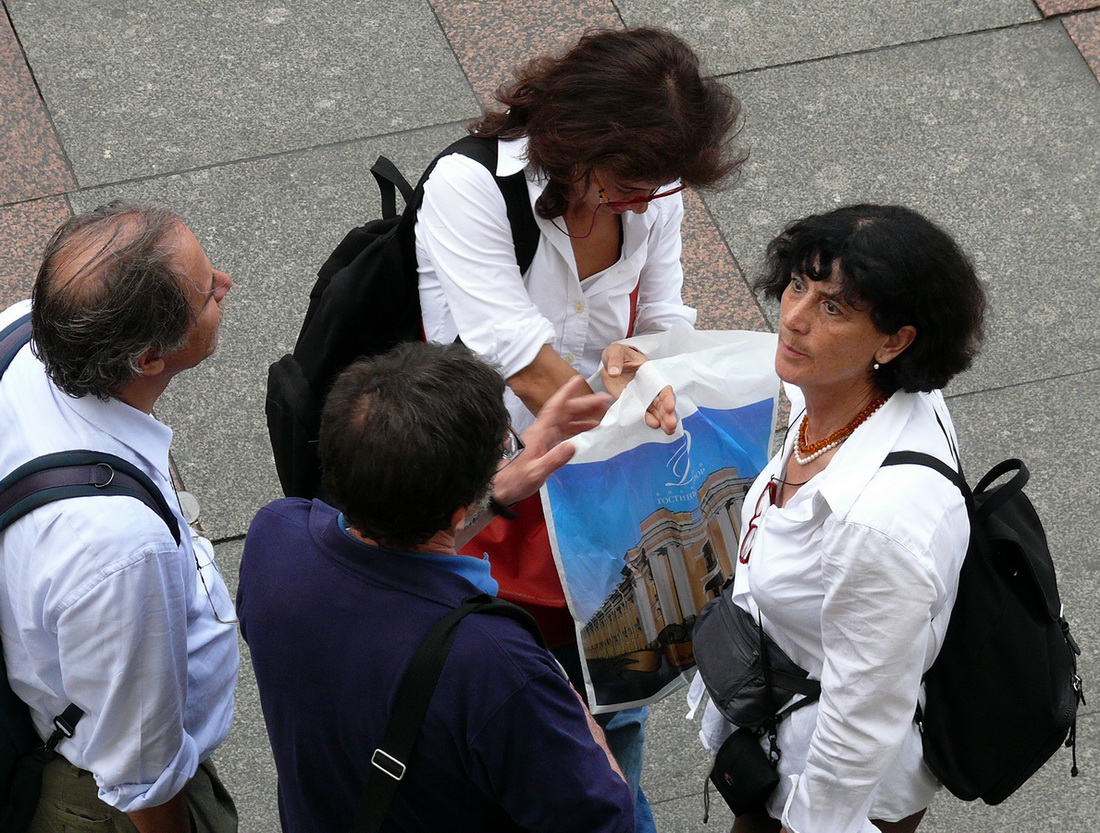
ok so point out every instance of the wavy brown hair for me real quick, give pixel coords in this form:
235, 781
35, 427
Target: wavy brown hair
633, 101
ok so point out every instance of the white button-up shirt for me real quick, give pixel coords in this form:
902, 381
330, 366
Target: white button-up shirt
99, 607
471, 286
855, 577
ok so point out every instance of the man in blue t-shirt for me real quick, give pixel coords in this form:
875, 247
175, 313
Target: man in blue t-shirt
334, 600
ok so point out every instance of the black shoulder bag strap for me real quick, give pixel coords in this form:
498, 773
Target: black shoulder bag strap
65, 474
390, 759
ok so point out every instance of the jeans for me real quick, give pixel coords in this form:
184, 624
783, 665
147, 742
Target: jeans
625, 732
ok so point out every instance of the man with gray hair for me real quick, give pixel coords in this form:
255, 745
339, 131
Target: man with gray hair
99, 606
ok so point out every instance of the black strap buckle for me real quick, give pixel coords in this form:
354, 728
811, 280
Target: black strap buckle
388, 764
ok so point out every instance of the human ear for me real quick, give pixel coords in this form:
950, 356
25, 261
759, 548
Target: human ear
896, 344
150, 363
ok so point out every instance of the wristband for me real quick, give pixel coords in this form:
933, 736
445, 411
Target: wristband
499, 509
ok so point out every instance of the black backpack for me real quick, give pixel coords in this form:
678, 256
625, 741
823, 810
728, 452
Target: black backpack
1003, 693
43, 480
365, 301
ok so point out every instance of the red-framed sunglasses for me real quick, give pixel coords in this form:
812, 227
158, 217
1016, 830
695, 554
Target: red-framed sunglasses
650, 197
769, 492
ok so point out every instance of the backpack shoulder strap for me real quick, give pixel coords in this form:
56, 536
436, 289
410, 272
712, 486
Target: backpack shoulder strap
411, 704
12, 339
917, 458
525, 230
82, 473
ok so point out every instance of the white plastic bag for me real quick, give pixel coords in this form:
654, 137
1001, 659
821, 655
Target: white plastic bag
643, 525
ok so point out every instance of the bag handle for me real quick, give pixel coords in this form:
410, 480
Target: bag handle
998, 498
390, 181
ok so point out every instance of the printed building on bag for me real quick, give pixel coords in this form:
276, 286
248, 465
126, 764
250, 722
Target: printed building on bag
679, 563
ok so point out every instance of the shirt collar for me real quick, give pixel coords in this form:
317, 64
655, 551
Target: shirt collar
474, 570
139, 432
859, 458
511, 156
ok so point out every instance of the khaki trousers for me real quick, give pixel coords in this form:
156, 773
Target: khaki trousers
70, 803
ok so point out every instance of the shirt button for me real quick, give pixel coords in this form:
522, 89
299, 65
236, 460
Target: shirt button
570, 358
579, 307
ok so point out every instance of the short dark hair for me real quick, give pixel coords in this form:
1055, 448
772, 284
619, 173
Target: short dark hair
409, 437
633, 101
906, 269
92, 325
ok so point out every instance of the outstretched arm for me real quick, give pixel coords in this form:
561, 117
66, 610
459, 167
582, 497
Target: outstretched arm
568, 412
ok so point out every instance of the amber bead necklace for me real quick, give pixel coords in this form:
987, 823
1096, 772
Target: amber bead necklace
805, 452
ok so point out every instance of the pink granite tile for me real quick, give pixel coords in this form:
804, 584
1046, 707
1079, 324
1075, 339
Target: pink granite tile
1049, 8
1084, 29
24, 230
491, 38
713, 282
32, 163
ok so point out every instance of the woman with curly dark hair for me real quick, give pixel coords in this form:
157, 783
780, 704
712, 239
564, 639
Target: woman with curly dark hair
849, 566
606, 136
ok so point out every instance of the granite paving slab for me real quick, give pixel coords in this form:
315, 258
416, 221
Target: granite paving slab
995, 135
1085, 31
713, 282
145, 88
749, 34
270, 223
32, 163
490, 39
24, 229
1053, 7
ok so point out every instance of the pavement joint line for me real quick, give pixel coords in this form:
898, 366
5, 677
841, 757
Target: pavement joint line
298, 151
886, 47
1036, 381
48, 195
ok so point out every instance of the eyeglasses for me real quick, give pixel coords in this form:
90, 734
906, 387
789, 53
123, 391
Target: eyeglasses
745, 550
511, 449
204, 563
648, 198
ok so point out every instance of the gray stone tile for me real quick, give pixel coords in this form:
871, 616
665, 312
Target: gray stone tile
1051, 800
145, 88
1050, 426
748, 34
676, 764
685, 815
244, 761
996, 135
270, 223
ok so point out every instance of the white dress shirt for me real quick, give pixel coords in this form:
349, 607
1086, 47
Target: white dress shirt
471, 286
855, 578
99, 607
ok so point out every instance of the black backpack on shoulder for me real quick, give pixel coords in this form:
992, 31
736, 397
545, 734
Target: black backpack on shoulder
365, 301
42, 480
1003, 693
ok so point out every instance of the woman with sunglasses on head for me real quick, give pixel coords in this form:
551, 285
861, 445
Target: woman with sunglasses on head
606, 135
850, 567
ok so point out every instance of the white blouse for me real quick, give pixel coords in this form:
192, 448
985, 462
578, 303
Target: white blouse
855, 578
471, 286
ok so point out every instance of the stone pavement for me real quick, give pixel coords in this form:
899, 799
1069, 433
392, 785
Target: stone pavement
257, 122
